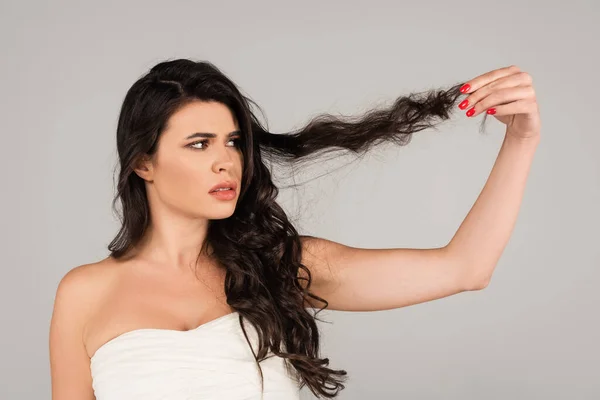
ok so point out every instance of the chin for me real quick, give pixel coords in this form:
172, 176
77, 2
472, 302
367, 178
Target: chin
221, 215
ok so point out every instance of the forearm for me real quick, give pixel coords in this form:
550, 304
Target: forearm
484, 233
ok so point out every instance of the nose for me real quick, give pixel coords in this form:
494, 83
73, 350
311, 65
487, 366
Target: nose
223, 160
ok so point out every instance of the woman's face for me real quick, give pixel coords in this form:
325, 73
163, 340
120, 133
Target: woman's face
187, 165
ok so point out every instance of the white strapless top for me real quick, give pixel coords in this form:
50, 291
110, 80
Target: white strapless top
212, 361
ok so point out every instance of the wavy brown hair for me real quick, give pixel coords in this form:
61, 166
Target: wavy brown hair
257, 245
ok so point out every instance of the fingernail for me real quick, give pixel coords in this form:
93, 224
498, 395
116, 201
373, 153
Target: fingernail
464, 104
491, 111
471, 112
465, 88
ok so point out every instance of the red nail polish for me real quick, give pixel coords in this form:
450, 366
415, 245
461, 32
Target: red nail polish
464, 104
471, 112
465, 88
491, 111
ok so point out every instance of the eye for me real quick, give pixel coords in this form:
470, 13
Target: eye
238, 142
205, 142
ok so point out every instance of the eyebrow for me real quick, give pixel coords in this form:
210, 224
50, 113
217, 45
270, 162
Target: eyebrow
211, 135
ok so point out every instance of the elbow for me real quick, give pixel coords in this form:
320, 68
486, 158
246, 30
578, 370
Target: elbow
472, 277
478, 282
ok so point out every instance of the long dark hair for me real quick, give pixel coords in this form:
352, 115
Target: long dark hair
258, 246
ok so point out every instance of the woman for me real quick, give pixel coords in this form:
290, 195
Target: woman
208, 288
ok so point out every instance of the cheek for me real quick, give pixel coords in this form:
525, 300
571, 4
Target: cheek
182, 182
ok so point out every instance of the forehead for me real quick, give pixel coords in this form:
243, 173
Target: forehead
202, 116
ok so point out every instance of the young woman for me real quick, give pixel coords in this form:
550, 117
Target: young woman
209, 291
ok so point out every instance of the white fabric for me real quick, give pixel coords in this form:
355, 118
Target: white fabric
212, 361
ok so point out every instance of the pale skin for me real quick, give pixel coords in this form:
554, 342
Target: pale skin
157, 287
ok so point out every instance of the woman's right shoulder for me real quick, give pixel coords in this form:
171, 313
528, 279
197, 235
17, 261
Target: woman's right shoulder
78, 295
87, 278
82, 287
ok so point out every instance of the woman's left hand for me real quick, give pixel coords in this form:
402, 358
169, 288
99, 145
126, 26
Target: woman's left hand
507, 94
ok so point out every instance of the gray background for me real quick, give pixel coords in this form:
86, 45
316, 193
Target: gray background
533, 333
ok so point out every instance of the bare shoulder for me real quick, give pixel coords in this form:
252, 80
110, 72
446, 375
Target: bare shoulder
81, 285
77, 295
82, 275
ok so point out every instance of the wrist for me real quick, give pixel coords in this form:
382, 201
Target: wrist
532, 140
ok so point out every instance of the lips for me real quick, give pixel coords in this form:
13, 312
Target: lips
224, 184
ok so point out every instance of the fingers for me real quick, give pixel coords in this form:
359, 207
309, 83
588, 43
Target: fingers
524, 106
515, 79
500, 97
491, 76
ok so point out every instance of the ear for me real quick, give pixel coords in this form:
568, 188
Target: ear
144, 169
